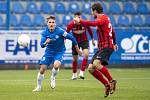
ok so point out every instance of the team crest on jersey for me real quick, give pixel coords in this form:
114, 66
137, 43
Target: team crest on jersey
56, 36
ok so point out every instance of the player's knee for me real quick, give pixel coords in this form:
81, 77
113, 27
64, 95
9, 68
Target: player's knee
86, 53
97, 64
42, 69
90, 68
57, 64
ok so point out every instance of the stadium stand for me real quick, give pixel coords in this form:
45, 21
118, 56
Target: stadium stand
114, 8
123, 20
46, 8
18, 8
129, 8
122, 13
137, 20
32, 8
1, 21
60, 8
73, 7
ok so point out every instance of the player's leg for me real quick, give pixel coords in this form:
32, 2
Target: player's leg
93, 69
74, 67
40, 78
44, 62
85, 48
57, 63
55, 70
74, 63
84, 63
105, 55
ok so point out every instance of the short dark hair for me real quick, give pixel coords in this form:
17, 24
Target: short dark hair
98, 7
51, 17
77, 13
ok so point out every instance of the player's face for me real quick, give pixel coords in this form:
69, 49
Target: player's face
94, 13
78, 17
51, 24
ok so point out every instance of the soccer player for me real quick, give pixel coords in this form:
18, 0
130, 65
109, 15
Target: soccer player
106, 46
79, 32
53, 39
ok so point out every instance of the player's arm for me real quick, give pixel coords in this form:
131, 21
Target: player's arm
91, 34
44, 40
71, 37
96, 22
114, 40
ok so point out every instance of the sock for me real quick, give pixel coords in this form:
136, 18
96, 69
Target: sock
74, 66
40, 78
97, 74
106, 73
84, 64
54, 72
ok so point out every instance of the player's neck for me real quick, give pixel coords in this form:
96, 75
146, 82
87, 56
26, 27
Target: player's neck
51, 30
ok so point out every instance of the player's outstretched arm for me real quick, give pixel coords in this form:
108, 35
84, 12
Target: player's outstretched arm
70, 37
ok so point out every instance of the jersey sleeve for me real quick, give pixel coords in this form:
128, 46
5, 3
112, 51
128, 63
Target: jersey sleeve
114, 36
70, 37
96, 22
43, 39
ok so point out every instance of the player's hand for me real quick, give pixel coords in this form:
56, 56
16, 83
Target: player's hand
78, 50
115, 47
93, 42
48, 40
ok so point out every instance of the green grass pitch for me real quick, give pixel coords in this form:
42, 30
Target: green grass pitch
133, 84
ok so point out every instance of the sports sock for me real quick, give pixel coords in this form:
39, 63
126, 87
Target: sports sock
106, 73
40, 78
84, 64
97, 74
54, 72
74, 66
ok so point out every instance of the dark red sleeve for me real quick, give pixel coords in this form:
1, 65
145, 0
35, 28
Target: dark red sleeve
69, 26
96, 22
90, 31
114, 36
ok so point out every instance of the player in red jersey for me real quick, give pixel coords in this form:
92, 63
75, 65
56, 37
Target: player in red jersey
106, 45
79, 32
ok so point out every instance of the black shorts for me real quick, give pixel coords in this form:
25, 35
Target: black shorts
103, 56
83, 45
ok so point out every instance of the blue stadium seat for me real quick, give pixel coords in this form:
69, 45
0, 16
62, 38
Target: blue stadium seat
129, 8
142, 8
39, 20
114, 8
58, 20
137, 20
3, 7
113, 20
73, 7
17, 8
66, 19
1, 21
25, 20
123, 20
105, 9
86, 8
32, 8
84, 17
147, 20
14, 20
46, 8
60, 8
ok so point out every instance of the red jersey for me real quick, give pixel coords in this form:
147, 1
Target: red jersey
79, 31
105, 33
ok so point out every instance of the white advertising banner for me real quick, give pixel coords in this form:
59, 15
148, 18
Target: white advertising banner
11, 52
